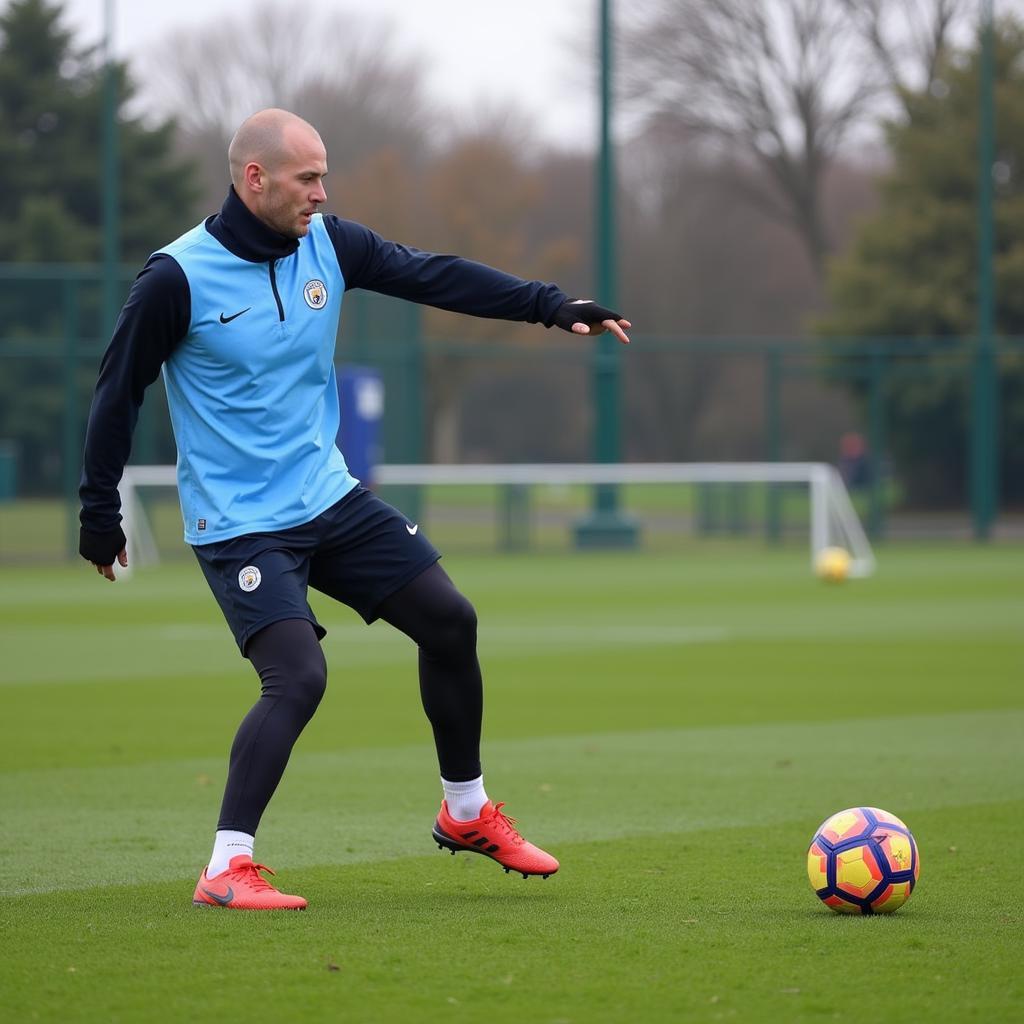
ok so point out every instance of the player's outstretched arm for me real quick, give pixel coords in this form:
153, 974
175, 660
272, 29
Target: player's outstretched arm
582, 316
461, 285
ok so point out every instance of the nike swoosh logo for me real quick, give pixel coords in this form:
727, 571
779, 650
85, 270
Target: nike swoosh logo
412, 529
227, 319
224, 899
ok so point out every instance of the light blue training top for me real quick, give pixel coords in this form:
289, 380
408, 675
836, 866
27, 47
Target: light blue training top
252, 391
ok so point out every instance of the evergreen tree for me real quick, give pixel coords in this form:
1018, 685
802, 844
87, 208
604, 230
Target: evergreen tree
913, 273
51, 166
51, 108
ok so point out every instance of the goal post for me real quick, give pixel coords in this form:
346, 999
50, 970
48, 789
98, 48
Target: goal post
833, 518
141, 544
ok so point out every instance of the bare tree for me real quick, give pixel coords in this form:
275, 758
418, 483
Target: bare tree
910, 39
344, 78
783, 83
205, 77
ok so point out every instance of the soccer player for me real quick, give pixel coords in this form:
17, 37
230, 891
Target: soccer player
241, 314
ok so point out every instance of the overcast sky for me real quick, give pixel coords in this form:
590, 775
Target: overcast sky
535, 53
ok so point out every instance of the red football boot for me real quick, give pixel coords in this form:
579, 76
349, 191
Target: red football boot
242, 887
493, 834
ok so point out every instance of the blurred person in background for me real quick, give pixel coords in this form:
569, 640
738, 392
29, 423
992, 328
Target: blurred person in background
854, 463
241, 315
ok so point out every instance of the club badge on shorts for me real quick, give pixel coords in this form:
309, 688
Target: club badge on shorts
249, 578
315, 294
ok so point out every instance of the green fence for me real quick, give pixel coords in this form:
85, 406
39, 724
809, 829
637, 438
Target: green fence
846, 401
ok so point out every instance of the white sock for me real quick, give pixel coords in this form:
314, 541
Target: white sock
465, 799
227, 844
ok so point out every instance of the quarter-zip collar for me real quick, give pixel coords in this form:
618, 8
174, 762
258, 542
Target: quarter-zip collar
241, 232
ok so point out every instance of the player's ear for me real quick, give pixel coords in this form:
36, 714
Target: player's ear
253, 176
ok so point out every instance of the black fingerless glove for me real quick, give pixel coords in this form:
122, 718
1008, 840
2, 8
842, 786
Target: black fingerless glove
583, 312
101, 548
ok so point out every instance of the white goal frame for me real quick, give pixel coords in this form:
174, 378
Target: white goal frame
834, 520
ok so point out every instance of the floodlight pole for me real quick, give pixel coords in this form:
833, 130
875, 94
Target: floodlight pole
984, 418
605, 526
110, 186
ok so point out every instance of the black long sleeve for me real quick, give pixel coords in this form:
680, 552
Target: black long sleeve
447, 282
153, 321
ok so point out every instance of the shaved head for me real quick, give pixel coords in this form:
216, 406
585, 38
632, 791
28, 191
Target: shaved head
278, 163
265, 139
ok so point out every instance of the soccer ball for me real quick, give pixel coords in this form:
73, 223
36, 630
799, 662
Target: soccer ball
863, 861
832, 564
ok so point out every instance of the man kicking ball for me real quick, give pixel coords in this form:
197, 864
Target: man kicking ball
241, 315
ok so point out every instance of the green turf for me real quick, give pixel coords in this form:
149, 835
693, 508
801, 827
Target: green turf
673, 728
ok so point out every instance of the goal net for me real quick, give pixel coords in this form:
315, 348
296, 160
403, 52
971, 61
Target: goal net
537, 506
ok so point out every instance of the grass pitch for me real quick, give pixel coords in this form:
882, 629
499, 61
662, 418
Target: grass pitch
673, 727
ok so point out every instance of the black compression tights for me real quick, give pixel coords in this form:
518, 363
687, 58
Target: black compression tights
293, 677
442, 623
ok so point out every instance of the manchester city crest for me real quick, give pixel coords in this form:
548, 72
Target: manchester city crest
315, 294
249, 578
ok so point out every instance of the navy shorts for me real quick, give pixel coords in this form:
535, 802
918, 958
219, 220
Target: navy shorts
359, 551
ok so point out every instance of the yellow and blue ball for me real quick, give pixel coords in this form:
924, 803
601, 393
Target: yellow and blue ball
863, 861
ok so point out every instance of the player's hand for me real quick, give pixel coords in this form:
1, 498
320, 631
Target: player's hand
108, 570
582, 316
104, 549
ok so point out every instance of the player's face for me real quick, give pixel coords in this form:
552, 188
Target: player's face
294, 188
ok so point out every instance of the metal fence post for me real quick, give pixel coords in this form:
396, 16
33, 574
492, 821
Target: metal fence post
984, 437
71, 442
773, 439
876, 443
